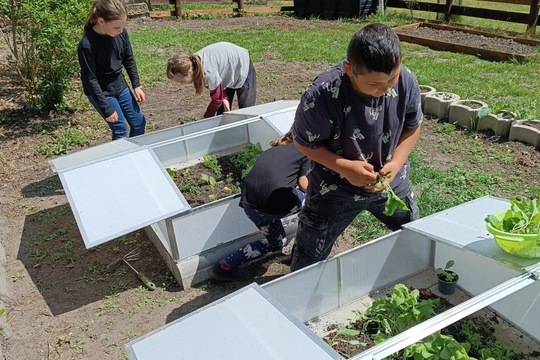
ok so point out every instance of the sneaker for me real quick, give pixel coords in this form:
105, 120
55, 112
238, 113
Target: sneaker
235, 274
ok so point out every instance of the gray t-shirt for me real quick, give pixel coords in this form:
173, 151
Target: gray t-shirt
355, 126
224, 63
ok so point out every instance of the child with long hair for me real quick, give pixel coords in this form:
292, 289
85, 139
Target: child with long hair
273, 189
223, 68
103, 52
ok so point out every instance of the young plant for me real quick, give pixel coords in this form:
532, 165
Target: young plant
187, 184
171, 172
445, 273
437, 346
213, 186
393, 201
245, 159
211, 162
396, 313
344, 330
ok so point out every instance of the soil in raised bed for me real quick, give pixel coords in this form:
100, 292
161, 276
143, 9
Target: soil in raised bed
499, 44
484, 323
198, 191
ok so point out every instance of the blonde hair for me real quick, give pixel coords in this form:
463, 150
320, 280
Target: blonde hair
109, 10
285, 140
180, 64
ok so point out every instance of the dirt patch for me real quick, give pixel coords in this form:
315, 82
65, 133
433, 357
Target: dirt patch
60, 301
463, 38
227, 23
201, 184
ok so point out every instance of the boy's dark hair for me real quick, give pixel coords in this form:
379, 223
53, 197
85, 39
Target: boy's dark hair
374, 48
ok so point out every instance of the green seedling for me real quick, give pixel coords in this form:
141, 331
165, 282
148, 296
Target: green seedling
393, 201
211, 162
446, 274
213, 183
171, 172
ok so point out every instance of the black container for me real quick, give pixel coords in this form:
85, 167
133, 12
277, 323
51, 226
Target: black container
447, 287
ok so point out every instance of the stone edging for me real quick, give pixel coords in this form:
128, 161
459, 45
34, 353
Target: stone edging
449, 107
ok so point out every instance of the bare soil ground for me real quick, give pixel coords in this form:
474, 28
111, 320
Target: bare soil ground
61, 303
506, 45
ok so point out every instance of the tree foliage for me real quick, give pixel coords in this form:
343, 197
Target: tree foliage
42, 37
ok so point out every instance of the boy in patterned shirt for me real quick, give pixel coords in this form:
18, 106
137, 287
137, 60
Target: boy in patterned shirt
358, 119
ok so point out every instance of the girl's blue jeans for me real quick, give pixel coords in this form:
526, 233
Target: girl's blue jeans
271, 227
324, 217
129, 114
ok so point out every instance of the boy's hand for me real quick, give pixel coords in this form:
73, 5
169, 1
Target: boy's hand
139, 94
360, 173
390, 171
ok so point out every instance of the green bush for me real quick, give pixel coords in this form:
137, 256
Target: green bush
43, 36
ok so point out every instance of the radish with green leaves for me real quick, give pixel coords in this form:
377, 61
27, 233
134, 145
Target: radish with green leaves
393, 202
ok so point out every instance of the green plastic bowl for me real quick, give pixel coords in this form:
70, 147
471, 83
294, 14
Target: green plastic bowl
522, 245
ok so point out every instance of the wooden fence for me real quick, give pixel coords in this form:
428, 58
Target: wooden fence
240, 9
448, 8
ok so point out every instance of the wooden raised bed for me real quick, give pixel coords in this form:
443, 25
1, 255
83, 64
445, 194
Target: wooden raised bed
466, 49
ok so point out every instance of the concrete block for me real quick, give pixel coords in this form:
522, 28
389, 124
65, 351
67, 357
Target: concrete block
521, 131
438, 103
137, 10
465, 113
426, 90
499, 123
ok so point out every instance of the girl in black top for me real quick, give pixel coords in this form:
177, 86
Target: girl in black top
273, 189
103, 52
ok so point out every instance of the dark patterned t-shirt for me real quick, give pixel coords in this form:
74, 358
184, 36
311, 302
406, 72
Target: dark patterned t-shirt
270, 185
355, 126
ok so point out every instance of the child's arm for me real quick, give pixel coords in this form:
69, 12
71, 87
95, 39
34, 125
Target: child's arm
217, 96
357, 172
90, 81
226, 104
128, 60
139, 94
303, 183
406, 142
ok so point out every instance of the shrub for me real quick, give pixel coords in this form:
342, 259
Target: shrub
42, 37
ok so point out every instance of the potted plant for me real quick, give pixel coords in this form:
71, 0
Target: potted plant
447, 278
517, 230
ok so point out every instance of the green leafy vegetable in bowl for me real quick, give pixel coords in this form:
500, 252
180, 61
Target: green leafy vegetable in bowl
523, 217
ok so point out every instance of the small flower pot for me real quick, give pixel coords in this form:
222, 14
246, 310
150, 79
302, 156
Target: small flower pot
426, 90
437, 104
465, 113
527, 131
448, 287
499, 123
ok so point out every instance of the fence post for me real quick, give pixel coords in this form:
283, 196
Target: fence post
447, 11
178, 9
240, 7
533, 18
